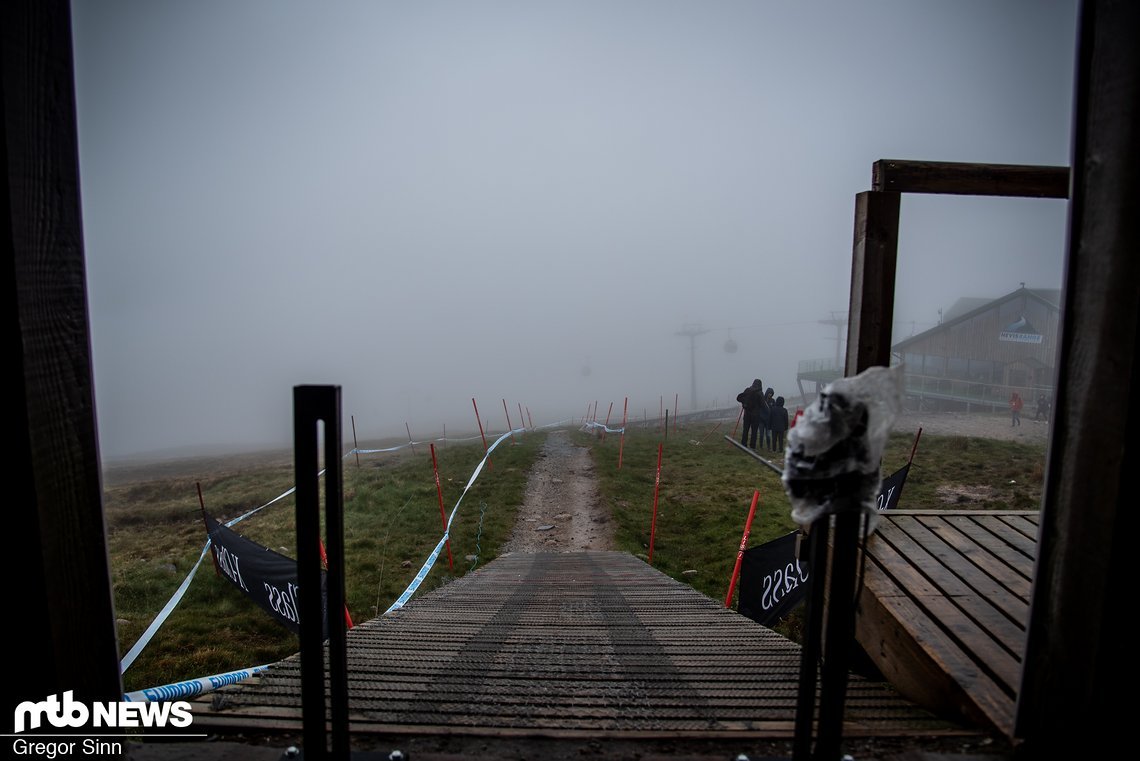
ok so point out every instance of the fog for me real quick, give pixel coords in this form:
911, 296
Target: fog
433, 201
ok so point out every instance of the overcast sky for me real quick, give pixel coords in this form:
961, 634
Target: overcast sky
426, 202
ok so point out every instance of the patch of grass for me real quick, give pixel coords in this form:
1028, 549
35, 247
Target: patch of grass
705, 493
1015, 472
392, 522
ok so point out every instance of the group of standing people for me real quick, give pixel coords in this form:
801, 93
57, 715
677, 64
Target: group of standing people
765, 417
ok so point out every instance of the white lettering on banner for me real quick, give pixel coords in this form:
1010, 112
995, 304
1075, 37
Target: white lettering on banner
885, 499
781, 581
72, 713
228, 562
284, 603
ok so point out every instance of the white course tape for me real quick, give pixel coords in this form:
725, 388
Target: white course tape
603, 426
191, 687
426, 567
410, 443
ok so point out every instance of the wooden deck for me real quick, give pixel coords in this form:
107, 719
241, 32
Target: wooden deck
561, 645
945, 605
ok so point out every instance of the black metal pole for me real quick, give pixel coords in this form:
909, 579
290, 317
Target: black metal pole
313, 404
840, 634
813, 631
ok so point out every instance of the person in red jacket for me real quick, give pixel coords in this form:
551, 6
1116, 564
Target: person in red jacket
1015, 405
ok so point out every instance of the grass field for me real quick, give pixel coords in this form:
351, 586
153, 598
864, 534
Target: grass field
392, 522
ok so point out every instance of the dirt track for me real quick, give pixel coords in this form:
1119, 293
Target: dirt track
561, 511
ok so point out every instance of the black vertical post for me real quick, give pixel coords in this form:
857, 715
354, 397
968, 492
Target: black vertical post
809, 655
313, 404
840, 633
1080, 645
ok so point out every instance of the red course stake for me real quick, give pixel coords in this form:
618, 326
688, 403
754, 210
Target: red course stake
356, 446
325, 563
914, 448
442, 515
509, 426
621, 445
740, 553
738, 416
656, 489
480, 422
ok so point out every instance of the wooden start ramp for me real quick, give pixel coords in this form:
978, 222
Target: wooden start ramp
945, 605
596, 644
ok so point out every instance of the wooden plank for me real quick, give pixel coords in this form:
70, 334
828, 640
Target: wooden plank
1031, 514
870, 317
924, 663
1023, 526
1015, 560
1006, 533
1011, 631
953, 178
985, 562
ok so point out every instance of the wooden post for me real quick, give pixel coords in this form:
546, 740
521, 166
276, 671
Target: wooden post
522, 420
676, 398
873, 261
1080, 646
66, 639
529, 419
609, 412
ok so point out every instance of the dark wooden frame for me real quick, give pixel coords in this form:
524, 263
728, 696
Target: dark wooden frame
62, 614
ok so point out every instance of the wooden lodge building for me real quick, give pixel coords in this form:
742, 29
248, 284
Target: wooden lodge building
983, 351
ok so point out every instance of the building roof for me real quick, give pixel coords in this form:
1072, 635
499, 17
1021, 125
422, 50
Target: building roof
967, 307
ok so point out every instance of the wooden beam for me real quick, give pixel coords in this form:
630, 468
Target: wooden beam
874, 254
1080, 648
62, 616
970, 179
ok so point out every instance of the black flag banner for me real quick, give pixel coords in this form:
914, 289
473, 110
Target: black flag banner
892, 488
772, 580
267, 577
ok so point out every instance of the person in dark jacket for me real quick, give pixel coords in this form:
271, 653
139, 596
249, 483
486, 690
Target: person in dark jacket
766, 421
752, 400
778, 424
